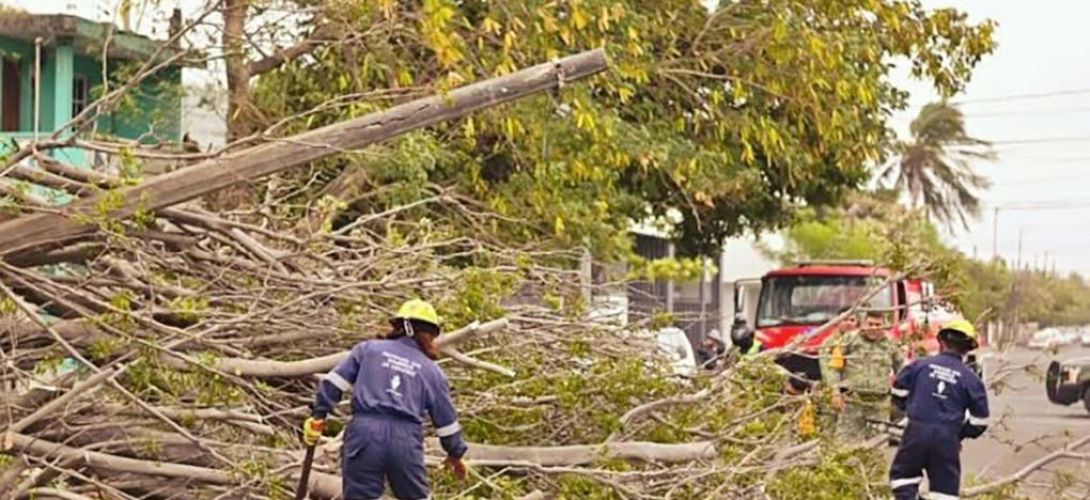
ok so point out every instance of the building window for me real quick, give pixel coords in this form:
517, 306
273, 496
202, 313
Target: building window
80, 94
10, 101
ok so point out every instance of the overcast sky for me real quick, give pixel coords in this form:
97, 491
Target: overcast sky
1042, 50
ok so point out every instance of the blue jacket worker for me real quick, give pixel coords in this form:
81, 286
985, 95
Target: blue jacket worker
395, 384
945, 402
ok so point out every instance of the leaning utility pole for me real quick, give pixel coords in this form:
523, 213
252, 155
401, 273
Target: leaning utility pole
32, 232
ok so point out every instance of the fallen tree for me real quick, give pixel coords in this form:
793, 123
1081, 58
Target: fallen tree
576, 455
270, 368
32, 233
196, 335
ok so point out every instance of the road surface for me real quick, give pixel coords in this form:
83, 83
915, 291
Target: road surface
1026, 417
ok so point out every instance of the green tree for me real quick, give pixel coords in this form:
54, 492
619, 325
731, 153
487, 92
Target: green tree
725, 120
986, 290
874, 226
934, 166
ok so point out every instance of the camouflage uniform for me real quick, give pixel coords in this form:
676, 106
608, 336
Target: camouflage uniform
864, 380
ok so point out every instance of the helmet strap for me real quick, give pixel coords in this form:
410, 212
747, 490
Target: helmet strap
408, 328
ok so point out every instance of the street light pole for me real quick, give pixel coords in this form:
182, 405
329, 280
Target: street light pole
995, 234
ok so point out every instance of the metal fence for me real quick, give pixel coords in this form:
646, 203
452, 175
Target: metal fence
646, 298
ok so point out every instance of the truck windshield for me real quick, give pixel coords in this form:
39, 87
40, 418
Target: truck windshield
813, 299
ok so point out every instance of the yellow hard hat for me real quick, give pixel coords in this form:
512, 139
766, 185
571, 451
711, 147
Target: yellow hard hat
963, 326
418, 310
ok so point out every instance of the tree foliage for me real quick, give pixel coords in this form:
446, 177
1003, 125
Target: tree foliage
933, 167
726, 120
873, 226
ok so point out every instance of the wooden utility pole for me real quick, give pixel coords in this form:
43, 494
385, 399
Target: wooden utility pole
33, 232
1016, 284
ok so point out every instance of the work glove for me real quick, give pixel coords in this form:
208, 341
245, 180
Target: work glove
458, 467
312, 430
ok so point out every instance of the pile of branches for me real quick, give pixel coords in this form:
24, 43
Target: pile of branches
174, 355
152, 348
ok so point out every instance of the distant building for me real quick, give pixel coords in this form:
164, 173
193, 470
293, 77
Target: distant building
52, 69
698, 307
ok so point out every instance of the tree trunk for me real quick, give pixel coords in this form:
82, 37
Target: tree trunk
47, 449
583, 454
271, 368
240, 119
238, 71
33, 233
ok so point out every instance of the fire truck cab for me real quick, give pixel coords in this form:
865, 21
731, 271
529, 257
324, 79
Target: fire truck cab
786, 303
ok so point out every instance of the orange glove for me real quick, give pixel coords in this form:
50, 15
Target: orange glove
312, 430
458, 467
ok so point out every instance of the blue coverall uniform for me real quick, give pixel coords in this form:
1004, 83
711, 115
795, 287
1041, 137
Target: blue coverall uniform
945, 402
394, 387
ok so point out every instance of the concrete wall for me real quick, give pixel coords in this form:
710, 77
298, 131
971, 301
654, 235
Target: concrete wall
742, 259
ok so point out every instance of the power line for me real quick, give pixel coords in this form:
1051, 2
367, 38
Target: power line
1032, 207
1025, 112
1021, 97
1040, 140
1049, 159
1042, 180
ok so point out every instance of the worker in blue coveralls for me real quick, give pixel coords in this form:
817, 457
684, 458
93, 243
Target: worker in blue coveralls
945, 402
395, 384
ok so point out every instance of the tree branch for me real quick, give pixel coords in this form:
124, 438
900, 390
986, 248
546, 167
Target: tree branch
1068, 451
268, 368
317, 39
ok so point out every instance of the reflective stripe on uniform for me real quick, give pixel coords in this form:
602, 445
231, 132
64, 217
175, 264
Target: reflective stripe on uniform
977, 421
448, 430
941, 496
337, 380
901, 393
900, 483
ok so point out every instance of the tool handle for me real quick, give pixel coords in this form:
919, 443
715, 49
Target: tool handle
304, 475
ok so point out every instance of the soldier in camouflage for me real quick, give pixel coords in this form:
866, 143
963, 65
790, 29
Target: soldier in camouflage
858, 365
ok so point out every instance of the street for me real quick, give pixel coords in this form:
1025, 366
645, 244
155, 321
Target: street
1026, 426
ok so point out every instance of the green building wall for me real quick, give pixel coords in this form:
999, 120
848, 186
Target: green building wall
151, 112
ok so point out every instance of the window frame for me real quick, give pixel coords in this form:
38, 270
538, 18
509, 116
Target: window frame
80, 103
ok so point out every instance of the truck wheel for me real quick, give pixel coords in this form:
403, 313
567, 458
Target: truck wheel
1052, 382
1086, 398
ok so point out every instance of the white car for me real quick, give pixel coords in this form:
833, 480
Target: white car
1085, 340
675, 345
1049, 338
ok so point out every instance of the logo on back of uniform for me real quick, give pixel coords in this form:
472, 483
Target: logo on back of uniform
945, 377
395, 383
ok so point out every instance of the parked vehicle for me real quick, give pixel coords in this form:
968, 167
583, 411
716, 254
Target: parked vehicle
1069, 336
1068, 382
1085, 340
1047, 339
674, 344
795, 301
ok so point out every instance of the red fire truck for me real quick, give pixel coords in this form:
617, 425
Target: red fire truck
794, 301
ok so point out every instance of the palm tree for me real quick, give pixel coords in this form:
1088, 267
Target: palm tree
933, 168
